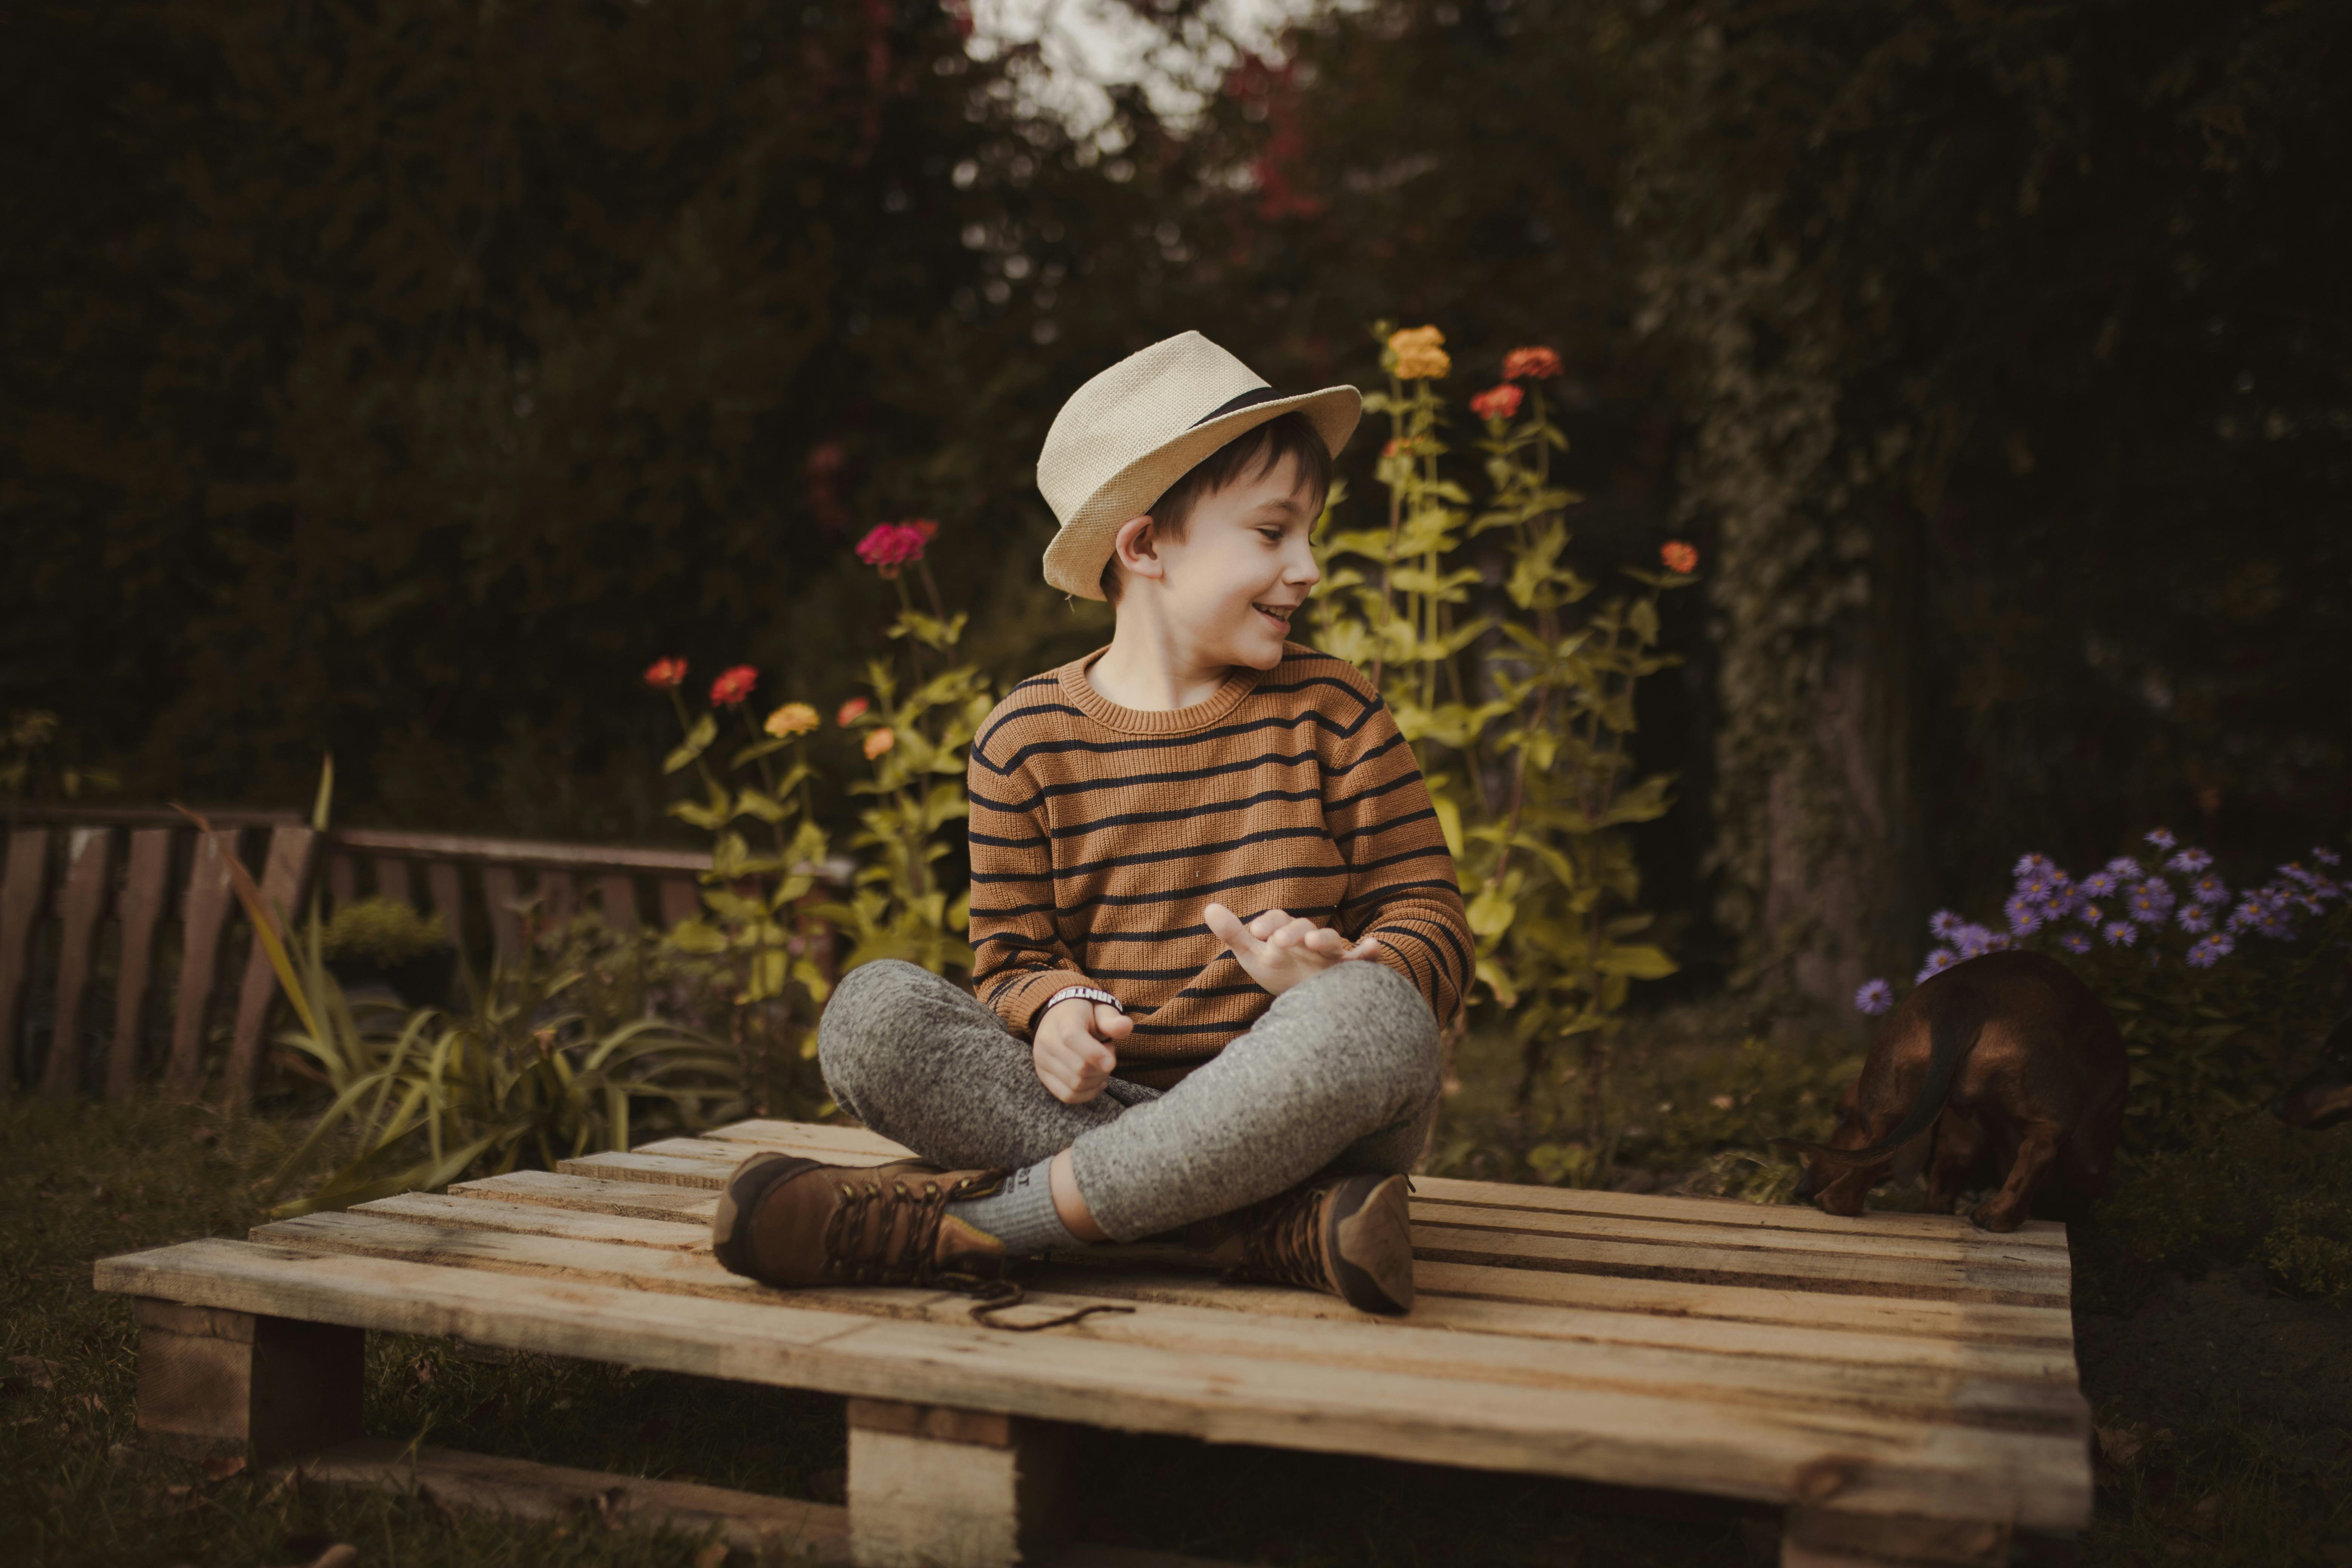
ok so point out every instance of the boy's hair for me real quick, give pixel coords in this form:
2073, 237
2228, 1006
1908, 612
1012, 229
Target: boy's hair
1259, 450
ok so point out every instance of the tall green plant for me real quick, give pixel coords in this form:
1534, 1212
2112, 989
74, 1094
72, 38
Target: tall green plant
1519, 706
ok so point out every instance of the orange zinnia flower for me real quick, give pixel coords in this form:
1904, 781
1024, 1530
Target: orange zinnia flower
792, 718
851, 712
1531, 365
733, 686
879, 741
666, 674
1679, 557
1419, 354
1496, 402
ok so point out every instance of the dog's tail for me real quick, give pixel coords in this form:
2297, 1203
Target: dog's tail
1951, 1033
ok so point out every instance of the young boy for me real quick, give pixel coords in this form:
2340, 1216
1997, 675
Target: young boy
1216, 920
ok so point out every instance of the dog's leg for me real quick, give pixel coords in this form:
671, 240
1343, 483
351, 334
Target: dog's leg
2037, 1152
1959, 1144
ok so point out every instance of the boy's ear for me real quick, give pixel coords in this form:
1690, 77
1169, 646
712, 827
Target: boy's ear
1136, 549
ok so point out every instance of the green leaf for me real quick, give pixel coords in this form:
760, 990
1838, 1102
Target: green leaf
1638, 960
698, 741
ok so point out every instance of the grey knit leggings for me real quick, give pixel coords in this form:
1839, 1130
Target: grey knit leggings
1341, 1072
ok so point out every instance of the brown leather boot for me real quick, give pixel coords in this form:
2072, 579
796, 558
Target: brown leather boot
789, 1221
1351, 1236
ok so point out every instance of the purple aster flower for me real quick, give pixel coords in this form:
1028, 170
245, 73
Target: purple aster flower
2101, 884
2125, 868
2075, 942
2025, 913
2275, 924
2161, 838
2121, 933
1944, 925
2209, 949
2208, 889
1874, 997
1940, 959
2150, 904
1974, 941
2188, 862
2326, 857
2033, 866
2297, 874
2089, 914
2196, 917
2245, 915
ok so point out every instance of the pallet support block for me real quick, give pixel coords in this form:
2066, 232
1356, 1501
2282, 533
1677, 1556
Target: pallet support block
213, 1382
1826, 1538
931, 1487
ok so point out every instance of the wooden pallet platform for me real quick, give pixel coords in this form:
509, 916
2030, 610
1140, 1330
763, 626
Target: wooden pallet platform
1903, 1384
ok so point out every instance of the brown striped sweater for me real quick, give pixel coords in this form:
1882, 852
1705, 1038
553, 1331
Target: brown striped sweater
1100, 833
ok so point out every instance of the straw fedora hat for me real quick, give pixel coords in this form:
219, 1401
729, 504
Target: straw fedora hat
1137, 429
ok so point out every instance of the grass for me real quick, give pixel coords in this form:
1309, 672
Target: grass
2190, 1473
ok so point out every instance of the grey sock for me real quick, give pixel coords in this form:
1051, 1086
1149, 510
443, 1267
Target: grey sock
1020, 1214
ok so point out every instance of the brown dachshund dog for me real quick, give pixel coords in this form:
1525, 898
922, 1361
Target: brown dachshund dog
2012, 1065
2324, 1096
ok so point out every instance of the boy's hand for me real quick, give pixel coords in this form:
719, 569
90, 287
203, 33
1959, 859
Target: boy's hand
1279, 951
1074, 1051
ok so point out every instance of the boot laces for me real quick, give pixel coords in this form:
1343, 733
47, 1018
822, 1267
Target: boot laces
1282, 1240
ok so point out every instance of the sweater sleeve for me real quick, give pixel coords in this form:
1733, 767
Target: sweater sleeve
1019, 959
1400, 885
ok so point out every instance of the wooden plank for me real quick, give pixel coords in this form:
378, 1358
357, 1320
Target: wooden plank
521, 1489
283, 875
1864, 1464
617, 900
559, 897
680, 900
680, 1221
1819, 1538
343, 880
204, 911
1709, 1378
481, 851
20, 906
142, 906
87, 853
919, 1500
1858, 1274
500, 893
448, 900
809, 1135
392, 880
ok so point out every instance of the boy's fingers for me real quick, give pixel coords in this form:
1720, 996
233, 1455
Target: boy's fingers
1324, 940
1227, 928
1368, 948
1266, 924
1110, 1023
1294, 934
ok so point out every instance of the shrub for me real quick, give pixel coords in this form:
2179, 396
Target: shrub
382, 933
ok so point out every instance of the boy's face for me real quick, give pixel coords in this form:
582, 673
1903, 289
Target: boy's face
1242, 571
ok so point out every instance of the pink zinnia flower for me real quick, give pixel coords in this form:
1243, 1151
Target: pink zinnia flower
892, 545
1679, 556
1497, 402
733, 686
666, 674
851, 712
879, 741
1531, 365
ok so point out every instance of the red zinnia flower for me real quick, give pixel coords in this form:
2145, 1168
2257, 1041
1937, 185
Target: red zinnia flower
890, 545
1497, 402
1531, 365
1679, 557
733, 686
851, 712
666, 674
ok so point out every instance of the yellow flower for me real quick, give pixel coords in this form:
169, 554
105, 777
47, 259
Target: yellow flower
792, 718
879, 741
1419, 354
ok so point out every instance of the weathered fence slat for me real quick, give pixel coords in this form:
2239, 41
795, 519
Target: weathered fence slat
448, 900
500, 892
20, 905
203, 912
343, 880
392, 879
86, 863
679, 901
616, 898
288, 866
559, 897
142, 905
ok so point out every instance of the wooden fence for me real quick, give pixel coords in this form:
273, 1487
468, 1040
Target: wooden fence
130, 913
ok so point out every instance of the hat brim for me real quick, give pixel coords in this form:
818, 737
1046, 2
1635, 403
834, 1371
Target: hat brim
1073, 561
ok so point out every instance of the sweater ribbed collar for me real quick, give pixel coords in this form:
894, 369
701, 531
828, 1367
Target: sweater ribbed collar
1169, 722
